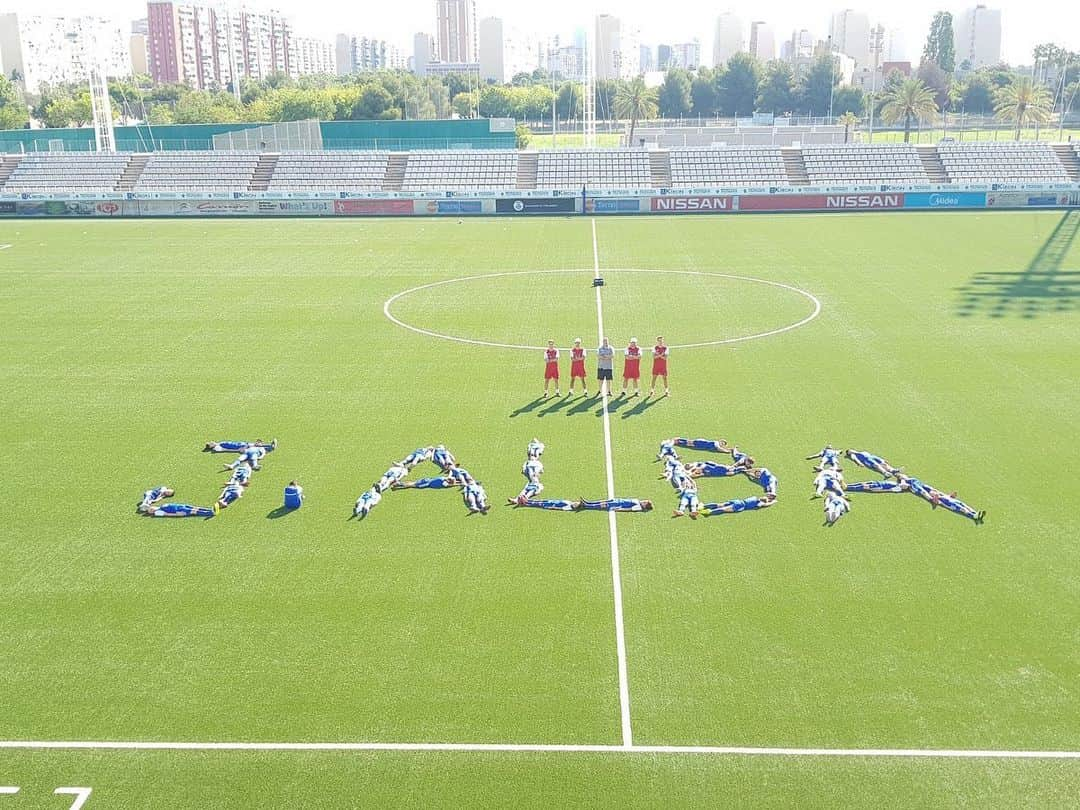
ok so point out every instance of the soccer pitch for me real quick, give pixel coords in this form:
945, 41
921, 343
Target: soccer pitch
948, 343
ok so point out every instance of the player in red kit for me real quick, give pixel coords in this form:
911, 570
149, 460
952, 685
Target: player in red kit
551, 368
659, 366
632, 367
577, 367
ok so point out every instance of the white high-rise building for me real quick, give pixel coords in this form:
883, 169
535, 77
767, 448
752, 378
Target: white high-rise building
729, 39
850, 34
800, 46
896, 46
978, 37
762, 41
423, 53
456, 33
311, 57
356, 54
51, 50
686, 55
492, 53
608, 47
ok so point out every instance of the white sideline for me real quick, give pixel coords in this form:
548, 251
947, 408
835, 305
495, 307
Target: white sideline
540, 748
616, 576
4, 247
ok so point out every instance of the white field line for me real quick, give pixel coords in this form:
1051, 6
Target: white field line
731, 750
4, 247
724, 341
616, 576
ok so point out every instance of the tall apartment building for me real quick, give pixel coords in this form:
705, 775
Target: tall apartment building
566, 61
355, 54
138, 44
199, 45
849, 32
50, 50
762, 41
423, 53
978, 37
311, 57
492, 54
608, 47
729, 39
663, 57
686, 55
456, 30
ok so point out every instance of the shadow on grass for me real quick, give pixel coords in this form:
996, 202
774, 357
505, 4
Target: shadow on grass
644, 405
554, 407
280, 512
528, 407
1041, 289
584, 405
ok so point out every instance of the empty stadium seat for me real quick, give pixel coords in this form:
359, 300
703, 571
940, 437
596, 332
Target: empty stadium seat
67, 171
329, 171
469, 170
864, 163
714, 166
1002, 162
570, 169
198, 171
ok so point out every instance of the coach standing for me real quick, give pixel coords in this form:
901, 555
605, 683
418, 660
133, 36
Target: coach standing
605, 358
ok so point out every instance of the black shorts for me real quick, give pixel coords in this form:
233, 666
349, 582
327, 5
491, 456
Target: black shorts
603, 374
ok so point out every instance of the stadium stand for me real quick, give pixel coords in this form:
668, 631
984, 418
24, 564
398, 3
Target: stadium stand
198, 171
859, 163
1013, 161
460, 171
570, 169
329, 171
749, 166
45, 171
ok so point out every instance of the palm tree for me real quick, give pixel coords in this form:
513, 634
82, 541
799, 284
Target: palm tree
847, 121
907, 101
1022, 100
635, 101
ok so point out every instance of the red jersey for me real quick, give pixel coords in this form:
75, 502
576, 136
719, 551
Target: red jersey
659, 363
551, 364
632, 365
577, 362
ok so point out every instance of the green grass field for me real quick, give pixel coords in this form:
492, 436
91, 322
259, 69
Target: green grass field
949, 343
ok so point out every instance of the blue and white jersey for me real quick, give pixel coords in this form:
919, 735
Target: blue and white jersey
241, 475
688, 500
367, 501
152, 496
877, 486
835, 502
475, 496
417, 456
738, 456
921, 489
236, 447
535, 449
231, 492
459, 475
667, 451
531, 490
253, 454
443, 457
830, 456
768, 481
532, 469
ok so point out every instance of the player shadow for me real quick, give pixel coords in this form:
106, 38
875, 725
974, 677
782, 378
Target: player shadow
1043, 288
584, 405
614, 403
279, 512
557, 405
528, 407
642, 406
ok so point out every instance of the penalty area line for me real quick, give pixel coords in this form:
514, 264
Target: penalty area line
539, 748
616, 576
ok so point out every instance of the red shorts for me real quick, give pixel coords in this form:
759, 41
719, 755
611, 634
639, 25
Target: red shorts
577, 368
659, 367
551, 371
632, 370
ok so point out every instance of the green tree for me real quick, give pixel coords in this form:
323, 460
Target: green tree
605, 97
940, 45
704, 93
160, 115
464, 104
908, 101
976, 95
458, 83
848, 121
569, 103
739, 85
636, 102
777, 94
816, 87
533, 103
673, 99
849, 100
13, 113
1021, 102
496, 101
374, 102
522, 136
66, 111
935, 78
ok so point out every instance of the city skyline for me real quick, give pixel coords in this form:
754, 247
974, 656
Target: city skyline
1024, 25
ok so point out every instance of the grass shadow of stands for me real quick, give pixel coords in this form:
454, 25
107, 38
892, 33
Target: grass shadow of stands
528, 407
280, 512
644, 405
1041, 289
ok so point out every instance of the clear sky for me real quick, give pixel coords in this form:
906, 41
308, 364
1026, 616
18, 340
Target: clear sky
1025, 23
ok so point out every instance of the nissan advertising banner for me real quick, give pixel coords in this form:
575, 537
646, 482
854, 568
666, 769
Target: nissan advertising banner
821, 202
692, 205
